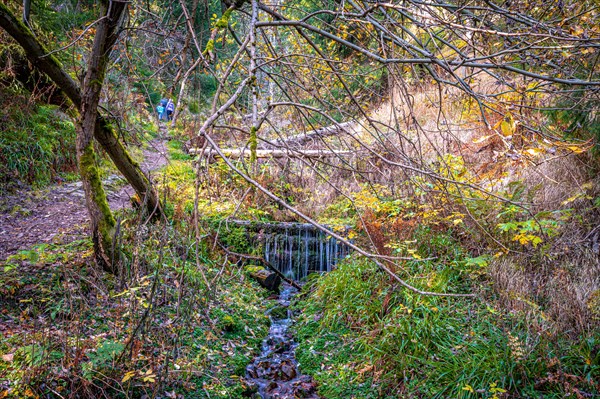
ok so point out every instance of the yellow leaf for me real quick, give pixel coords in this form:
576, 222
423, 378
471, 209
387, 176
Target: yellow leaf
508, 125
128, 375
468, 388
534, 151
576, 149
148, 376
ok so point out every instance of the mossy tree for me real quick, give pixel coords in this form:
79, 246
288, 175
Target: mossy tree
102, 223
92, 122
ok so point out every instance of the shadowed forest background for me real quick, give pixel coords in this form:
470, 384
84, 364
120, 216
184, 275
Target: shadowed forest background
426, 171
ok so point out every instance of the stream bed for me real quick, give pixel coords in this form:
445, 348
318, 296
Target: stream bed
275, 374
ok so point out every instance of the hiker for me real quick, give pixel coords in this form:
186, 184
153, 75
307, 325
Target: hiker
161, 111
170, 108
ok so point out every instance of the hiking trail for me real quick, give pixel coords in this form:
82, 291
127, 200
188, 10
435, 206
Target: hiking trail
57, 214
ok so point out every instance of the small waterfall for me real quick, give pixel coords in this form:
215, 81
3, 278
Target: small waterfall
297, 250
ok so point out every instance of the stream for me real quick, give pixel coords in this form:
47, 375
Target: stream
295, 250
275, 374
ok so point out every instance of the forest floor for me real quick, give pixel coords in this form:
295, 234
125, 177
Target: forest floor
58, 213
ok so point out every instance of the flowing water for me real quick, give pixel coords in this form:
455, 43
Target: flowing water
297, 250
275, 372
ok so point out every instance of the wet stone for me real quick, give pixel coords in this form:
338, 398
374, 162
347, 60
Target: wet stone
288, 371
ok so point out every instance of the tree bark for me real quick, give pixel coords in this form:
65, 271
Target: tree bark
102, 223
303, 138
103, 132
264, 277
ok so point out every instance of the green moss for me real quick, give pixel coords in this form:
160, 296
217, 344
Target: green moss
227, 323
249, 269
89, 171
210, 46
224, 20
279, 312
253, 144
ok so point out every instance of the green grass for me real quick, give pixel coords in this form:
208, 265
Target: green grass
176, 153
64, 315
362, 337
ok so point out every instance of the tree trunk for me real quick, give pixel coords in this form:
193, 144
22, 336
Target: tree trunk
103, 132
102, 223
301, 139
264, 277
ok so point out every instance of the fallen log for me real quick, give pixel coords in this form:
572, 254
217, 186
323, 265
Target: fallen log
264, 277
300, 139
263, 261
237, 153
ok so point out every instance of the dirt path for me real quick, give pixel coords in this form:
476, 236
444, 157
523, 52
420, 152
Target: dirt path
58, 213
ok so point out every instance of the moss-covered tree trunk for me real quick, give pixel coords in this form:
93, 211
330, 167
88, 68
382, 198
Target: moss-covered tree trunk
102, 223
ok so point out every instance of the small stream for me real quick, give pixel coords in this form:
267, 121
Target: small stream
275, 372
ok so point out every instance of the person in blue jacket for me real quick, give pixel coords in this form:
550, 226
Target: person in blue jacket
162, 108
170, 108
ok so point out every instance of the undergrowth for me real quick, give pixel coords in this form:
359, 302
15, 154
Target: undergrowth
37, 144
530, 331
362, 336
175, 322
